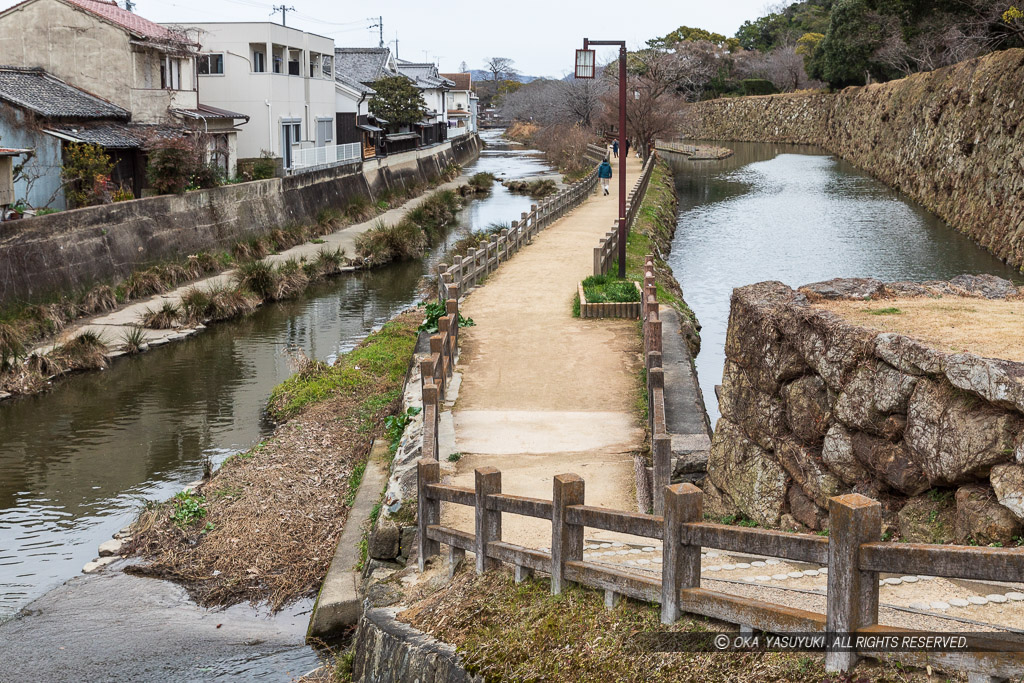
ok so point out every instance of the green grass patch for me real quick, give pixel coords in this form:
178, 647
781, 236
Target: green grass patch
384, 355
601, 289
891, 310
187, 508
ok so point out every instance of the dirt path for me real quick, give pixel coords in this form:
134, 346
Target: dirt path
544, 393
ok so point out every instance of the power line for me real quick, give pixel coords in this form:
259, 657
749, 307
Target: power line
379, 25
284, 13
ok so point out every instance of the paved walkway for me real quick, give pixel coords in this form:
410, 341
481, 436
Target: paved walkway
544, 393
112, 326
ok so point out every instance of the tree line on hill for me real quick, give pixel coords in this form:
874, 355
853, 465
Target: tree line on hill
817, 44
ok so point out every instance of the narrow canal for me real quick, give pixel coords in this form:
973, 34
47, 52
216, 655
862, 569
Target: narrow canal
77, 462
798, 215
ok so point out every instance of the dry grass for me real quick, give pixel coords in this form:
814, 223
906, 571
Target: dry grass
986, 327
509, 632
271, 517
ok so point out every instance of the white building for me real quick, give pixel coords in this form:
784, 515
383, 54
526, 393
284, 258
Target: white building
283, 78
434, 87
463, 105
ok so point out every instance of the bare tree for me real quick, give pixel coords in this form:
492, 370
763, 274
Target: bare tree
657, 84
782, 66
463, 67
501, 68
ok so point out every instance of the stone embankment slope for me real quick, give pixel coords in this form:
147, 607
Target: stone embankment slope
111, 327
544, 393
950, 139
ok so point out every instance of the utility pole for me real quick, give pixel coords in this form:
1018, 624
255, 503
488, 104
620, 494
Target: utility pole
380, 27
395, 41
284, 10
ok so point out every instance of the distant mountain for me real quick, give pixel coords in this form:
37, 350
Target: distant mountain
481, 75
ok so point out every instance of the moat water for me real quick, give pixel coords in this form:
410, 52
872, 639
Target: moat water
798, 215
77, 462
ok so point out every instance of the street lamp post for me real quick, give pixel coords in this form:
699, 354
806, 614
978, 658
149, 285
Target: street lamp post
586, 68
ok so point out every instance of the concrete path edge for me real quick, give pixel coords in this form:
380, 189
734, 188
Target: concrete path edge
340, 601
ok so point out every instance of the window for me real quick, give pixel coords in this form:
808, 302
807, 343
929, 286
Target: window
170, 74
294, 64
327, 66
277, 64
324, 132
259, 61
314, 65
210, 65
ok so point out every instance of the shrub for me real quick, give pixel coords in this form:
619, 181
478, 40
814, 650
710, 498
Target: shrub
86, 173
132, 339
163, 318
121, 194
12, 346
99, 299
385, 243
258, 277
481, 182
758, 86
171, 165
265, 167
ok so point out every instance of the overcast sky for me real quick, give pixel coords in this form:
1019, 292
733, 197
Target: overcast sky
540, 35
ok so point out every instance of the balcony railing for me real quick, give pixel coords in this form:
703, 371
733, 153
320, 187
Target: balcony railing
311, 158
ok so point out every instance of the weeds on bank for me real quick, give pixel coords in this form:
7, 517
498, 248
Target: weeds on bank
394, 426
433, 312
273, 515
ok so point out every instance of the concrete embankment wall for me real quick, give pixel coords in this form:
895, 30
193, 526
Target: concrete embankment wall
389, 651
67, 252
950, 139
814, 406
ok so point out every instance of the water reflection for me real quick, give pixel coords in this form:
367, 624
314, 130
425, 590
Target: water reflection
76, 462
793, 214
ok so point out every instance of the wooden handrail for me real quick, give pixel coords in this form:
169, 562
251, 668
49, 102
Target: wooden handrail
851, 552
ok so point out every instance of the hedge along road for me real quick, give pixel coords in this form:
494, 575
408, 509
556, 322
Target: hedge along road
75, 463
544, 393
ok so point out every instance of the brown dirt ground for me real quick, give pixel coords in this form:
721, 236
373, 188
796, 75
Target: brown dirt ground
505, 631
277, 511
953, 324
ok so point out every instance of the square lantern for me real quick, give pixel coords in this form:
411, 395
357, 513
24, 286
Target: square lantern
585, 63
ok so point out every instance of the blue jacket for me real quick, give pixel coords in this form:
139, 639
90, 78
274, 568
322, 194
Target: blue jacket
604, 170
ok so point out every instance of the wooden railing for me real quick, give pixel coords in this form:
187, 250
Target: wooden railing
852, 552
435, 371
466, 272
607, 250
661, 440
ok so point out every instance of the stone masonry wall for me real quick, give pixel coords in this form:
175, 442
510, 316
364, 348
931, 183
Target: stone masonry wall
814, 407
950, 139
68, 252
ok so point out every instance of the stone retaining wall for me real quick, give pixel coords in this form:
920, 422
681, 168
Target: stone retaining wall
950, 139
68, 252
389, 651
814, 407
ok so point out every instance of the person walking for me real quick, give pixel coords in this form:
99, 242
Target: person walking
615, 148
604, 172
627, 148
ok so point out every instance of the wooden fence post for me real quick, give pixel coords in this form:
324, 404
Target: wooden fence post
430, 417
488, 522
852, 594
452, 308
680, 560
661, 453
566, 539
655, 380
450, 288
428, 509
